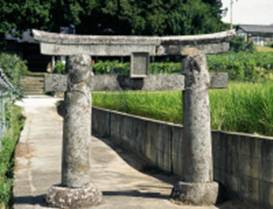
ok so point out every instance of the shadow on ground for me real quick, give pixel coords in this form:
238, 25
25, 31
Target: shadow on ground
140, 163
135, 193
31, 200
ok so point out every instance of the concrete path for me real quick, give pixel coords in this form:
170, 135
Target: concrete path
38, 166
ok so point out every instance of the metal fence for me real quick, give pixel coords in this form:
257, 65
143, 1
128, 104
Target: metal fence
7, 94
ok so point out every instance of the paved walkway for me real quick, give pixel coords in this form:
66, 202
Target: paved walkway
38, 166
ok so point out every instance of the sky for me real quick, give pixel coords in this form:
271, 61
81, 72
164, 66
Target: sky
250, 11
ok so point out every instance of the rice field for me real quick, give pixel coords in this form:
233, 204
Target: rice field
242, 107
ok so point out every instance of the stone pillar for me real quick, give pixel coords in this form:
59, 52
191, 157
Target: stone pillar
76, 190
196, 186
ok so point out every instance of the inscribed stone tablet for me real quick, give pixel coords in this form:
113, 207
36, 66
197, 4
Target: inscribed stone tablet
139, 64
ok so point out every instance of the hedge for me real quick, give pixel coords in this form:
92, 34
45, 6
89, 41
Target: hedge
14, 67
241, 66
244, 66
15, 122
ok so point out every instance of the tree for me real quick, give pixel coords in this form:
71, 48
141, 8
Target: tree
149, 17
17, 15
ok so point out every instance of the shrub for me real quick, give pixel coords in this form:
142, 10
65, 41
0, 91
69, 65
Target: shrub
123, 68
165, 67
116, 67
59, 68
238, 44
14, 67
9, 141
241, 66
112, 67
269, 44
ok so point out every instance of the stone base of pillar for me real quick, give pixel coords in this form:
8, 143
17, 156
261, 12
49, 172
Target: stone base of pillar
65, 197
196, 193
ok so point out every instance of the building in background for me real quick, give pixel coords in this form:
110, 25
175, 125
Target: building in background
28, 49
261, 35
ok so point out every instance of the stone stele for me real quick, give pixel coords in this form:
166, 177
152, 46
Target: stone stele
197, 186
76, 190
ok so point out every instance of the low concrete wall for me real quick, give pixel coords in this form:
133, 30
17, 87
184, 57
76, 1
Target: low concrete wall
242, 163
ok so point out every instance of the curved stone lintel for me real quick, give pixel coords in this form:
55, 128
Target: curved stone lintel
64, 44
57, 38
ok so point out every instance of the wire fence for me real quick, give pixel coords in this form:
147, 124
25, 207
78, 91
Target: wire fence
7, 93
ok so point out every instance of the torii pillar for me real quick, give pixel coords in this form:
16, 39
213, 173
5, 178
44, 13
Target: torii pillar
196, 186
76, 189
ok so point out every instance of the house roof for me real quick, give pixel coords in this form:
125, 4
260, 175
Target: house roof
25, 38
266, 29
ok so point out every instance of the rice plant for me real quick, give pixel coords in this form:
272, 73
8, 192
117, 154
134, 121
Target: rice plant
243, 107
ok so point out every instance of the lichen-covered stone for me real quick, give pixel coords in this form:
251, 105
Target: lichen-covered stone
197, 186
196, 193
65, 44
197, 131
77, 123
73, 198
55, 82
76, 190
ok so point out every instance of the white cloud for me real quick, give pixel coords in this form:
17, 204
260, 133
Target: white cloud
250, 11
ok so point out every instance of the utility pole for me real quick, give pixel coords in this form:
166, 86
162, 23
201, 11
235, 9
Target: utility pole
231, 13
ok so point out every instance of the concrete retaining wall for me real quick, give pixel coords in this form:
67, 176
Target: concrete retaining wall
242, 163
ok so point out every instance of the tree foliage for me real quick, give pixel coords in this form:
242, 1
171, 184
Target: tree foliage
239, 44
150, 17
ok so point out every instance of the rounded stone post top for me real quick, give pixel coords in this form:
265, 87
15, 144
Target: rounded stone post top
78, 67
81, 59
195, 68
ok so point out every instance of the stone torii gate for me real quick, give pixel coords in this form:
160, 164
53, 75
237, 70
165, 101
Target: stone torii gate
196, 185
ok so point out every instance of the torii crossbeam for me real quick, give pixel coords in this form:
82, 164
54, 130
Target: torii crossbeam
197, 185
137, 47
63, 44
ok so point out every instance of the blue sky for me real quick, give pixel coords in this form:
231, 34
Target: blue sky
250, 11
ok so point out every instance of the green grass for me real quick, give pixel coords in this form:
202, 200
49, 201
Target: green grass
15, 121
243, 107
264, 49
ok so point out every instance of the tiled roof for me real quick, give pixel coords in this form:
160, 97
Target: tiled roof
257, 28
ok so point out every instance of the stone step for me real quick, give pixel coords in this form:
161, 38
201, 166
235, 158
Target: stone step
33, 87
31, 90
32, 81
34, 91
33, 84
33, 77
